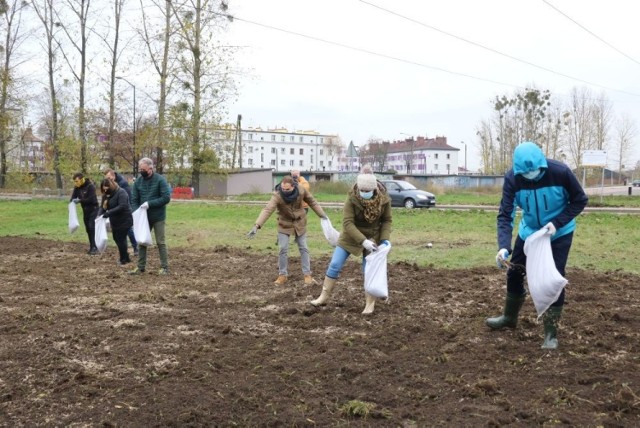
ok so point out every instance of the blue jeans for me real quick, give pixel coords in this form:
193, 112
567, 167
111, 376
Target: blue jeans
515, 277
283, 256
338, 259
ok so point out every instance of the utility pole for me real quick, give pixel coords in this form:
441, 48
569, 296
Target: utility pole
239, 136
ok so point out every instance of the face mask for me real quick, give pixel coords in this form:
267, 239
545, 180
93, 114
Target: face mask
366, 195
144, 174
532, 175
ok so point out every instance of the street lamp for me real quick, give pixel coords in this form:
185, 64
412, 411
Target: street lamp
135, 161
465, 156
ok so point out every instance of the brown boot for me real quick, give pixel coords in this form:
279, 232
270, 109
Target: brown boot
326, 292
308, 280
370, 304
281, 280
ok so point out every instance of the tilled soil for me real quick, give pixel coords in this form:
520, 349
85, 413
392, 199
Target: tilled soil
82, 343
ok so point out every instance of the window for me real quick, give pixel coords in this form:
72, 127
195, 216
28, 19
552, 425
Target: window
273, 138
250, 137
448, 155
250, 162
302, 139
273, 149
273, 162
448, 167
283, 162
321, 163
321, 140
301, 151
300, 163
262, 157
435, 167
291, 138
282, 138
282, 150
321, 152
329, 164
292, 151
435, 156
292, 163
250, 149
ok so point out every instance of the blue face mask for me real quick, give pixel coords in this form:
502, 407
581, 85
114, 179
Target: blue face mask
366, 195
532, 175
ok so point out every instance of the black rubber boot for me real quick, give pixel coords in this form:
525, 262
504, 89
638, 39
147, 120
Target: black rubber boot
509, 319
551, 318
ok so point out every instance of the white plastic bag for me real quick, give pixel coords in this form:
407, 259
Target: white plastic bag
141, 229
329, 231
545, 282
100, 234
375, 272
73, 218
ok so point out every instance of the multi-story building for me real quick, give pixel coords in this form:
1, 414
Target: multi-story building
278, 149
424, 156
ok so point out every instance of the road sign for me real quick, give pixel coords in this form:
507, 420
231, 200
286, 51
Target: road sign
594, 158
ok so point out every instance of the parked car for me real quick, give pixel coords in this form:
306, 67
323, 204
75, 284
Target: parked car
636, 183
405, 194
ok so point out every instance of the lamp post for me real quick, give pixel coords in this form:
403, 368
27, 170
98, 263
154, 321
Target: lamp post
135, 160
465, 156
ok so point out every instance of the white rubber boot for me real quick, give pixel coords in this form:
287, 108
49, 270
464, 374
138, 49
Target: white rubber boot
327, 287
370, 304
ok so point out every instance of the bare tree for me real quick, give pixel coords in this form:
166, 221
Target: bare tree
44, 10
626, 132
77, 36
203, 73
157, 42
13, 37
581, 134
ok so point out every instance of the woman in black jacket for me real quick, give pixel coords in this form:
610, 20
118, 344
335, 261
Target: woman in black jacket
115, 206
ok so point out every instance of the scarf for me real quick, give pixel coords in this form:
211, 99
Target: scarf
290, 197
372, 207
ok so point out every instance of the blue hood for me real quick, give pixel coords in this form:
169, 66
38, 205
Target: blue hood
528, 157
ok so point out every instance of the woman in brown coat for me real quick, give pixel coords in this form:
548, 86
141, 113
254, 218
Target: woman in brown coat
289, 200
366, 223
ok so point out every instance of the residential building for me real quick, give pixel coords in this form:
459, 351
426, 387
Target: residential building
419, 156
278, 149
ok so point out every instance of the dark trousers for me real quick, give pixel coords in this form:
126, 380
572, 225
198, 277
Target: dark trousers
120, 238
132, 238
515, 277
89, 217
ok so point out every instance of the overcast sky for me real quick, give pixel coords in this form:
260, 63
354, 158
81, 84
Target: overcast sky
426, 67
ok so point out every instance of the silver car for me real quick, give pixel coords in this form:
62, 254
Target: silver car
405, 194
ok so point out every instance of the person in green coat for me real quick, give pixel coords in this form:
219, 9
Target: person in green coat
366, 224
152, 193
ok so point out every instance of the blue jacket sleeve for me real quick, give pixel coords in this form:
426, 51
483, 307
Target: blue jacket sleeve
577, 201
507, 213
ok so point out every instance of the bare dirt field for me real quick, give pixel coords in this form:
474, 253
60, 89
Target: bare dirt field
82, 343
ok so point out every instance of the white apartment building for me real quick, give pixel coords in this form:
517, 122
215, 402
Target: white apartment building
279, 149
420, 156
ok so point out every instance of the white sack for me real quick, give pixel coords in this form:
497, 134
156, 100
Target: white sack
100, 235
545, 282
375, 272
73, 218
329, 231
141, 227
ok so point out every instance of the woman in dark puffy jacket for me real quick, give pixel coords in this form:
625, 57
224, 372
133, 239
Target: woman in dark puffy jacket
115, 206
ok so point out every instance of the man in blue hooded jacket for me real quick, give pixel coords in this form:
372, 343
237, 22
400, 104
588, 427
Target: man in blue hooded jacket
550, 197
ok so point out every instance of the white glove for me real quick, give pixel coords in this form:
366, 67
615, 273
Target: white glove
551, 229
145, 206
502, 257
369, 245
252, 233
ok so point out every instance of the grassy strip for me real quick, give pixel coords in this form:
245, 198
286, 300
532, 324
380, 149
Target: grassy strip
603, 242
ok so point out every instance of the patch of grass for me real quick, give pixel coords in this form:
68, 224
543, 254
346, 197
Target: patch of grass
363, 409
461, 239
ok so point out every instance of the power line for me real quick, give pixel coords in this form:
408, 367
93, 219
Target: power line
345, 46
494, 50
590, 32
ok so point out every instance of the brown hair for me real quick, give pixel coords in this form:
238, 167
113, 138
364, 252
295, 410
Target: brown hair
288, 179
108, 183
